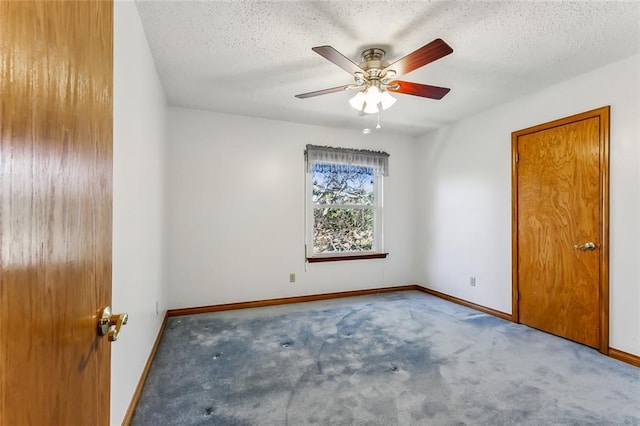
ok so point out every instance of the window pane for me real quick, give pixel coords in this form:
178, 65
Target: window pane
342, 184
341, 230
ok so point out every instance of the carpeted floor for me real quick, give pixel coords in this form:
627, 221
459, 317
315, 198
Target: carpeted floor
403, 358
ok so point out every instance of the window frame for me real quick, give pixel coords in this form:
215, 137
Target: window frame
378, 213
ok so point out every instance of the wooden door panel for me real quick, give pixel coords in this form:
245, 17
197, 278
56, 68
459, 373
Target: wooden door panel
55, 210
560, 199
558, 205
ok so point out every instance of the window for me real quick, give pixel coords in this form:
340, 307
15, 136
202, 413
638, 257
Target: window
344, 203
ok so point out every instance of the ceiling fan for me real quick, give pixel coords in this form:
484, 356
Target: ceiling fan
374, 77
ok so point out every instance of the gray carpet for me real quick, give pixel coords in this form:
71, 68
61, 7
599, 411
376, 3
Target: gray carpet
403, 358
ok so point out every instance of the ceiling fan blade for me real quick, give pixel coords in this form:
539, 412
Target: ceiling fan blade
421, 57
417, 89
323, 92
339, 59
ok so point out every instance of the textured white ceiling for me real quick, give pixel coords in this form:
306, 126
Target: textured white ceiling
252, 57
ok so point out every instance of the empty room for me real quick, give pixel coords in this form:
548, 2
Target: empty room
319, 212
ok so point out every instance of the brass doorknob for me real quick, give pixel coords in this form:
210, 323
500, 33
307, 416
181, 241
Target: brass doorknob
586, 246
109, 324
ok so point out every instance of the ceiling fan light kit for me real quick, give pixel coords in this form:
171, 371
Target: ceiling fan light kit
371, 100
374, 77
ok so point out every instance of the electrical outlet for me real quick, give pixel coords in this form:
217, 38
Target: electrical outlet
292, 277
472, 281
157, 308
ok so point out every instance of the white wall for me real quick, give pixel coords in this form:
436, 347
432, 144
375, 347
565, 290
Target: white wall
139, 140
236, 209
464, 173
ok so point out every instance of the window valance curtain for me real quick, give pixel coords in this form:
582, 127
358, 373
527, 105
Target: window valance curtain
362, 157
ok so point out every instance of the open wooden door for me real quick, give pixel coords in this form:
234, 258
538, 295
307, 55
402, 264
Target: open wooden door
55, 210
560, 227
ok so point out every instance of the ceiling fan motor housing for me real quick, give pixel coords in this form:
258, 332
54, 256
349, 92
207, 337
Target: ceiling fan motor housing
373, 62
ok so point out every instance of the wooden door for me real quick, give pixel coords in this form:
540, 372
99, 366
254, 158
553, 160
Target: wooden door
55, 210
560, 187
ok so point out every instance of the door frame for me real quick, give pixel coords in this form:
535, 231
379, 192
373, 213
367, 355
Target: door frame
603, 226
